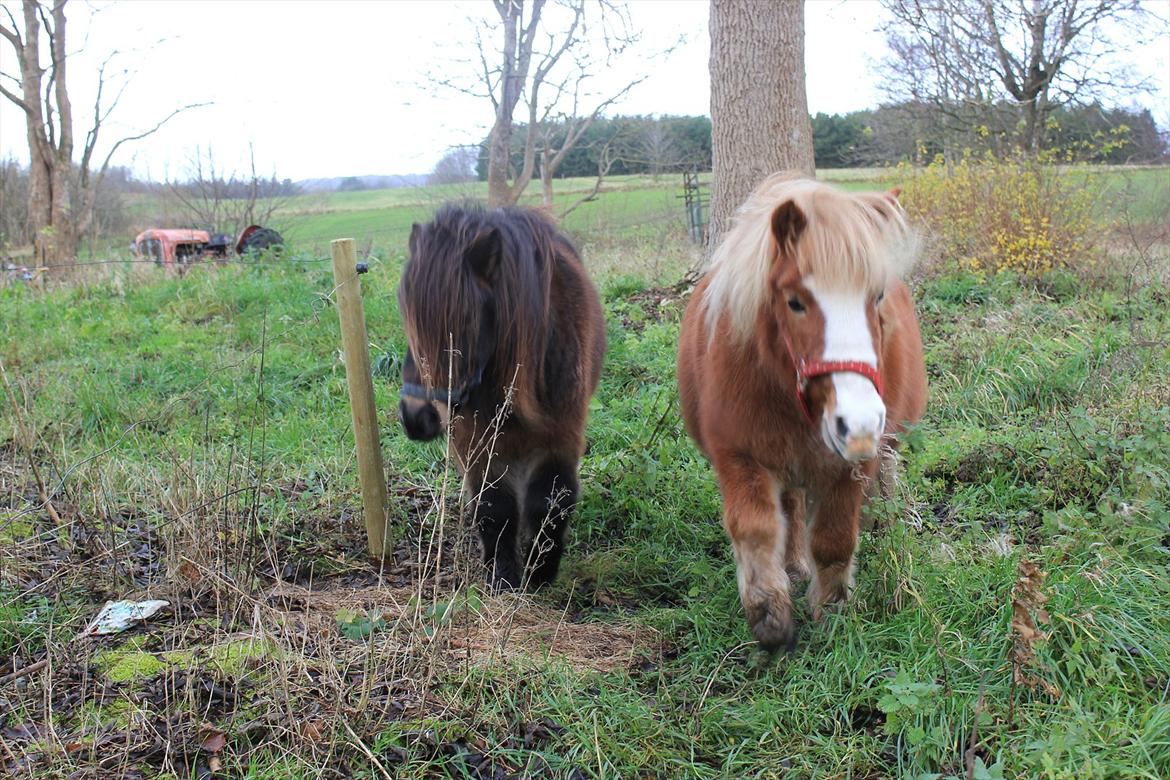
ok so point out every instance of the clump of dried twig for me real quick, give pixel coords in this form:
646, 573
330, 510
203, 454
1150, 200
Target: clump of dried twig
1028, 614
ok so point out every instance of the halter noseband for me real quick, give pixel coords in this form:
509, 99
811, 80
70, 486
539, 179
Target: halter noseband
451, 398
810, 369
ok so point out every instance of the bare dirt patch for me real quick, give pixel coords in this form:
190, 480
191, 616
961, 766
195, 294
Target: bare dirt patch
481, 629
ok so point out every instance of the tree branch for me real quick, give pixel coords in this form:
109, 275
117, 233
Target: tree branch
605, 161
15, 99
13, 35
151, 131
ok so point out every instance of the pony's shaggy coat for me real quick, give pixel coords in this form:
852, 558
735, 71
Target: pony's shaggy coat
497, 304
791, 503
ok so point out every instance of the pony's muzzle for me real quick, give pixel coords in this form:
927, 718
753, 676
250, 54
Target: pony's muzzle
854, 424
859, 448
420, 419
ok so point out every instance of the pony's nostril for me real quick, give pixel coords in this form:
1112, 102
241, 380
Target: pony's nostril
842, 427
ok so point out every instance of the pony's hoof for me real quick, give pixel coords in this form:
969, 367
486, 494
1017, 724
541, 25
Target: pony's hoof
773, 627
797, 572
539, 580
542, 573
777, 640
502, 583
827, 608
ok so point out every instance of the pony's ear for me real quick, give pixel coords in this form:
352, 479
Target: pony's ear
483, 253
886, 204
788, 222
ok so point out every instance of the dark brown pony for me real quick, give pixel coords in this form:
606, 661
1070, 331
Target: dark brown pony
506, 340
800, 358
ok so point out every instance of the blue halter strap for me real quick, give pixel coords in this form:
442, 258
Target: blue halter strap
453, 397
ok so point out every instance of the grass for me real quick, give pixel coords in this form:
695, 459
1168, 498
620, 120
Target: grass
385, 216
195, 435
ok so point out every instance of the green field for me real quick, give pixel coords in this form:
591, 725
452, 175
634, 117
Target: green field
193, 437
627, 205
384, 216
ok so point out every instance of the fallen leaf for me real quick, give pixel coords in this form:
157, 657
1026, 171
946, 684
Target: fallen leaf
190, 572
310, 731
213, 740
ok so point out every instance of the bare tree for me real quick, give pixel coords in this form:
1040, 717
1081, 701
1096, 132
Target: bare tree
759, 110
457, 166
224, 201
964, 56
606, 157
61, 192
563, 129
543, 64
656, 146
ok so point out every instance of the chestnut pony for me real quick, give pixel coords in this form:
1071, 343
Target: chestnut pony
506, 339
799, 358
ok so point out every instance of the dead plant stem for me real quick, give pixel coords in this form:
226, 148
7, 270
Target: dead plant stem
26, 436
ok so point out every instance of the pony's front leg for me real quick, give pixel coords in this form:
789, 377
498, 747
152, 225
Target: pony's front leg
752, 517
550, 497
832, 541
496, 517
795, 508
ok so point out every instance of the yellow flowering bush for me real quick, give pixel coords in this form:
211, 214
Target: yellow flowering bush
991, 215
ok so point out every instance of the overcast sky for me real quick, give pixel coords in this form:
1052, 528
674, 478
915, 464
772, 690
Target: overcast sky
343, 88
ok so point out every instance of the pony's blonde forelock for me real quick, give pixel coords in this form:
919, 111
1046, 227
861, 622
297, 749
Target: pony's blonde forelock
852, 241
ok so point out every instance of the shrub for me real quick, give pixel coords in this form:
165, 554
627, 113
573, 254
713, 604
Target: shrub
991, 215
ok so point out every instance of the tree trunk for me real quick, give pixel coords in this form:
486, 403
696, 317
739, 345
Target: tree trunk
61, 234
516, 52
499, 162
1035, 122
39, 205
759, 110
546, 179
1031, 128
50, 139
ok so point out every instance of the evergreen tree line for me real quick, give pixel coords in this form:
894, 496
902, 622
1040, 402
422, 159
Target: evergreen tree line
906, 132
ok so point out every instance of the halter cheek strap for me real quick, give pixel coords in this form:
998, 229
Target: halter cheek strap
453, 397
810, 369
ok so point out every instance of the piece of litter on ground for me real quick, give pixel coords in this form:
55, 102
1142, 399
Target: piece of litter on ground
120, 615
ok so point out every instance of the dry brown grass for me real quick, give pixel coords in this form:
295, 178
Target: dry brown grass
291, 643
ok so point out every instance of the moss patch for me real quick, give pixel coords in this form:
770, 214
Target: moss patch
238, 656
128, 665
120, 712
232, 658
15, 532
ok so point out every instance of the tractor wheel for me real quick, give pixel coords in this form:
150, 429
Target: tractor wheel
261, 239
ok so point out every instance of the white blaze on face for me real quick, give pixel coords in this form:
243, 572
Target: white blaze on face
854, 427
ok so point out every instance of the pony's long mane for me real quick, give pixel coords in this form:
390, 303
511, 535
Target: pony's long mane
853, 241
444, 291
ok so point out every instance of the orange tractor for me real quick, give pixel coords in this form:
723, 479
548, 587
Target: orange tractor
180, 247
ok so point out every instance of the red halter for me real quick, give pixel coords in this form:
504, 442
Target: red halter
808, 369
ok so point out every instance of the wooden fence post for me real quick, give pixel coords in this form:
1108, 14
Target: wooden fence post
361, 395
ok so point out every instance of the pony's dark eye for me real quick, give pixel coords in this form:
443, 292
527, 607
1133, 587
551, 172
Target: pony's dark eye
878, 300
795, 304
